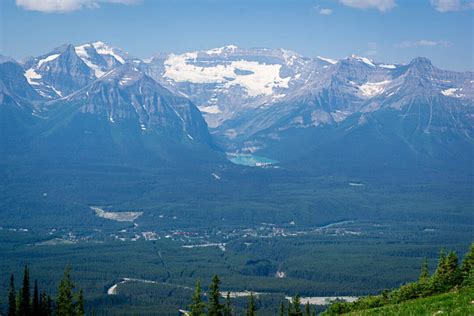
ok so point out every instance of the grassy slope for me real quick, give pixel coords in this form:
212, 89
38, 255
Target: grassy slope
454, 303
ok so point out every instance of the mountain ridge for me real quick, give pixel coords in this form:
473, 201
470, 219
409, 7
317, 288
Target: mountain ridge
257, 100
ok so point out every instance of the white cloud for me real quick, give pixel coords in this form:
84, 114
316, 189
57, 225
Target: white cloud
452, 5
325, 11
322, 11
381, 5
422, 43
62, 6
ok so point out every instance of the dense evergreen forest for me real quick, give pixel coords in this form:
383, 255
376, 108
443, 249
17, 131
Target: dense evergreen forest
214, 307
40, 303
449, 277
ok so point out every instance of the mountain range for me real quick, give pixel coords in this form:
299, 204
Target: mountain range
95, 101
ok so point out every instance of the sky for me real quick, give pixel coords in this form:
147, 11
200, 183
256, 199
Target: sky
392, 31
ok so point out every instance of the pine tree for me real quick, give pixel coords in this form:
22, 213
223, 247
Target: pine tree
12, 297
452, 270
425, 273
307, 309
45, 303
197, 306
290, 309
40, 303
49, 305
215, 308
80, 304
439, 277
467, 268
282, 309
227, 306
251, 309
64, 304
296, 307
35, 307
24, 302
423, 280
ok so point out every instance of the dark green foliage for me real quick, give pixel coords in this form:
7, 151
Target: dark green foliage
447, 273
307, 309
227, 306
251, 308
80, 304
46, 304
215, 308
281, 311
40, 304
24, 307
448, 276
295, 307
197, 307
467, 268
453, 272
35, 306
425, 273
64, 301
12, 297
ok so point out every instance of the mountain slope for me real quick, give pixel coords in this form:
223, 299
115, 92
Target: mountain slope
228, 80
58, 73
454, 303
124, 114
358, 112
16, 107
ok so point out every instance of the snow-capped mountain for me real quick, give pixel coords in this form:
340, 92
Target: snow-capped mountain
58, 73
416, 110
356, 85
127, 96
69, 68
91, 102
228, 80
101, 57
255, 100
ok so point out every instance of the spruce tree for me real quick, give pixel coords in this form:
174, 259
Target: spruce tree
423, 280
282, 309
197, 306
35, 306
296, 306
49, 305
45, 303
25, 301
467, 268
64, 303
425, 273
251, 309
12, 297
307, 309
41, 313
80, 304
227, 306
452, 270
439, 277
215, 308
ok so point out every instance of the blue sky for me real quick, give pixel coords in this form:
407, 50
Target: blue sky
384, 30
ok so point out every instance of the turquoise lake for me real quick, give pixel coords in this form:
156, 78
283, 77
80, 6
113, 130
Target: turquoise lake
250, 160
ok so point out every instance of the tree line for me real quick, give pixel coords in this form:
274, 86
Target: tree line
214, 307
41, 303
448, 276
